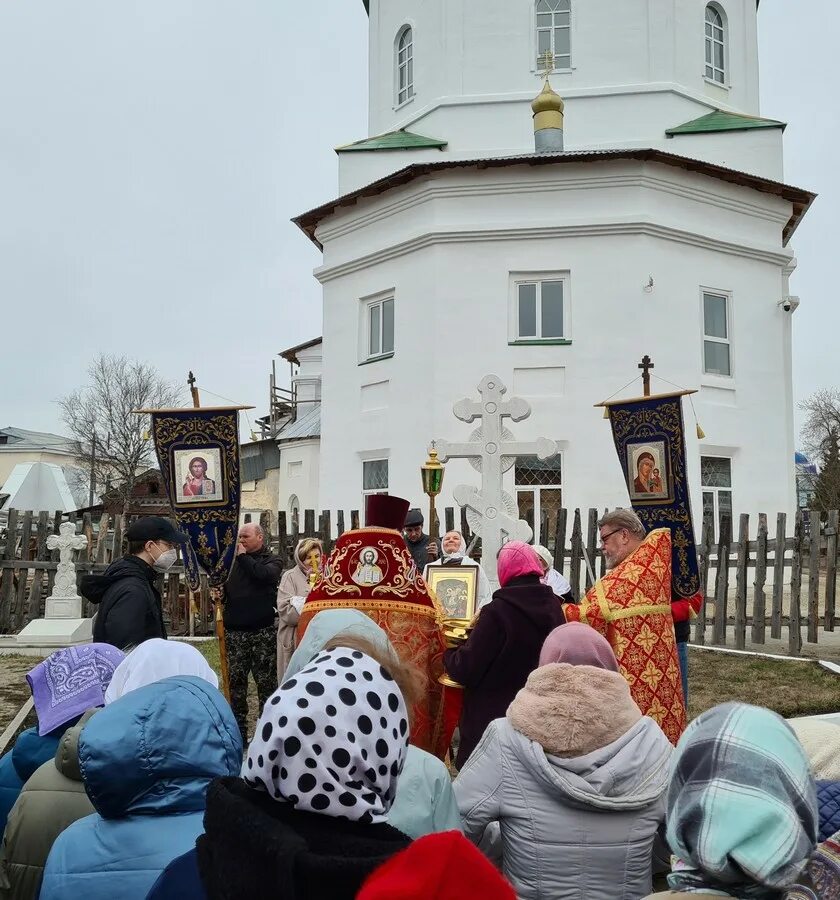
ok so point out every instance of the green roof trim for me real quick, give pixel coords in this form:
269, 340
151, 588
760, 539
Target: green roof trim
724, 121
394, 140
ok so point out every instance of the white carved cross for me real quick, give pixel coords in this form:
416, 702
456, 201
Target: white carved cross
66, 542
496, 451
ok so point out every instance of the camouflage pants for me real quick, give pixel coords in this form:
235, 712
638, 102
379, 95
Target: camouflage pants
251, 651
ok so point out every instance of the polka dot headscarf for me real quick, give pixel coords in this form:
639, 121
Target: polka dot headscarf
332, 739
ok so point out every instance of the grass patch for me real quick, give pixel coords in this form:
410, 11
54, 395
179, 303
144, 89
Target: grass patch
789, 688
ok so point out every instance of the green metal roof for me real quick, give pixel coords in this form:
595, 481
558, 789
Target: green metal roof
394, 140
724, 121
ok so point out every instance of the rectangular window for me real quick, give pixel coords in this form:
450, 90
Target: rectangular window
541, 310
375, 476
716, 344
554, 33
716, 481
539, 495
380, 328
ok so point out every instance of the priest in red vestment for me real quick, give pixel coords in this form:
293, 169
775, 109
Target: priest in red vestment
371, 570
631, 607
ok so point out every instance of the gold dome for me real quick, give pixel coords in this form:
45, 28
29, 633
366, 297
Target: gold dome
548, 100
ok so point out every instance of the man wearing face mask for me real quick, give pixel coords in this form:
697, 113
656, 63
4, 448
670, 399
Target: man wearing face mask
130, 609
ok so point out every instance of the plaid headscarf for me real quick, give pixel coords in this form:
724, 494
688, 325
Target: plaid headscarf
742, 805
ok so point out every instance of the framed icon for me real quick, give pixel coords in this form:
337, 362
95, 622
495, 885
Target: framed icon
456, 588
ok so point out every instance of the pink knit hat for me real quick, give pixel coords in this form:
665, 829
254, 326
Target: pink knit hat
578, 645
516, 558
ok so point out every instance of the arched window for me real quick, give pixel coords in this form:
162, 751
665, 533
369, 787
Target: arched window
405, 65
554, 32
715, 45
294, 512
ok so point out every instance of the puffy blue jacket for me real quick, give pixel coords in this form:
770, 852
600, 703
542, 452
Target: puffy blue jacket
146, 761
828, 798
19, 764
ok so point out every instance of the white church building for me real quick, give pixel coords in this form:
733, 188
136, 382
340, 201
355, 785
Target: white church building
456, 249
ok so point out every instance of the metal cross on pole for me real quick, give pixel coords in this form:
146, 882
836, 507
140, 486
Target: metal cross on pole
646, 365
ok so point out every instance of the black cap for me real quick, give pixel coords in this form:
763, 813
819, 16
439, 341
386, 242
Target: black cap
414, 517
154, 528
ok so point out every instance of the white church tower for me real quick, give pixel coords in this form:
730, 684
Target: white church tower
647, 215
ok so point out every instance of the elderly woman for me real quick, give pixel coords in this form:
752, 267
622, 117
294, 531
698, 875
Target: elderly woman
742, 806
291, 595
554, 579
454, 549
309, 816
64, 686
574, 775
504, 647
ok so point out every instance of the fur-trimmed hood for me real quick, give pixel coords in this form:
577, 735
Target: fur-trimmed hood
585, 738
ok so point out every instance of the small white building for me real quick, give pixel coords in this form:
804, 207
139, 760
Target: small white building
455, 250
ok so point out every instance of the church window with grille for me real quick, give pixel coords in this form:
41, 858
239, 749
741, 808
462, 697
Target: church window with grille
715, 45
374, 476
554, 32
539, 495
716, 480
405, 65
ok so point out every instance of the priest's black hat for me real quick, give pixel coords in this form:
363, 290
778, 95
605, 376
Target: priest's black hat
384, 511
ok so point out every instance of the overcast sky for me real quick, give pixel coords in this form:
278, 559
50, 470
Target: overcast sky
152, 154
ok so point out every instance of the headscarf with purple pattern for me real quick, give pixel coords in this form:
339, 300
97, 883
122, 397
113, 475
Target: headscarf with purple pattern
70, 682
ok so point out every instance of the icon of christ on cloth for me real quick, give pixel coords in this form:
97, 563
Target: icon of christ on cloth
371, 570
631, 607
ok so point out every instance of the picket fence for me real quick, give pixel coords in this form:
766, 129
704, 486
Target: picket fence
793, 584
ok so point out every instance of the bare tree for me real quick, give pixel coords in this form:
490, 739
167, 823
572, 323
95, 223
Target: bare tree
822, 421
111, 441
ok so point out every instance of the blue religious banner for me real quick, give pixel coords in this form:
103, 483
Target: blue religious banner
198, 454
649, 437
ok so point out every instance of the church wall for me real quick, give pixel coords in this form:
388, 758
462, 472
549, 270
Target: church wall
299, 477
452, 300
486, 56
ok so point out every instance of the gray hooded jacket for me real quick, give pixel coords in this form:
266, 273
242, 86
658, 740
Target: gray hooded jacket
572, 827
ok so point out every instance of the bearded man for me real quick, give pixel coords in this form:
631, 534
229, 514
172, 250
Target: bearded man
631, 607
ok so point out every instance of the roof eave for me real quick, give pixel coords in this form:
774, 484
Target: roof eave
308, 222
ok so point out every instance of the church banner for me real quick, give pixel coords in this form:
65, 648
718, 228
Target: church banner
198, 454
649, 437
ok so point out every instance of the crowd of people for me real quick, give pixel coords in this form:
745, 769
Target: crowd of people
569, 782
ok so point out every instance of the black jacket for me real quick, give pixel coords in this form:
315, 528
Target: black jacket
501, 652
251, 591
130, 610
264, 849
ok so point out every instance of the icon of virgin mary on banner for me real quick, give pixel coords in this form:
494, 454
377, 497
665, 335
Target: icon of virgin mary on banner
198, 454
649, 437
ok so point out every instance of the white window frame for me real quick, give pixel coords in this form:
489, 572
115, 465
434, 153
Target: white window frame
367, 492
715, 491
727, 295
404, 62
711, 39
536, 490
538, 278
367, 305
536, 64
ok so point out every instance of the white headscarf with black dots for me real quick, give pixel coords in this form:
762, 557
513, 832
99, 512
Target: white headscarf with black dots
332, 739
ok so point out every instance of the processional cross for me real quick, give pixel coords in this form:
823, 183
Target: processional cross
495, 452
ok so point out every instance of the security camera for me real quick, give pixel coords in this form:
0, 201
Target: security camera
789, 304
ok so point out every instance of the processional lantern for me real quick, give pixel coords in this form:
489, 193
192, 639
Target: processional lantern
431, 473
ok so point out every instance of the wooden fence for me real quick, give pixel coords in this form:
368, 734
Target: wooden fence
763, 581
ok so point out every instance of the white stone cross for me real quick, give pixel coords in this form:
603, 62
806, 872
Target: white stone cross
64, 601
495, 451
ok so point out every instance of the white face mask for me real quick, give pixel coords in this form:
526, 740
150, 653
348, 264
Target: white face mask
166, 560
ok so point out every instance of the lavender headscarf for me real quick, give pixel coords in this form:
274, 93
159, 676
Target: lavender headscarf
70, 682
578, 645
